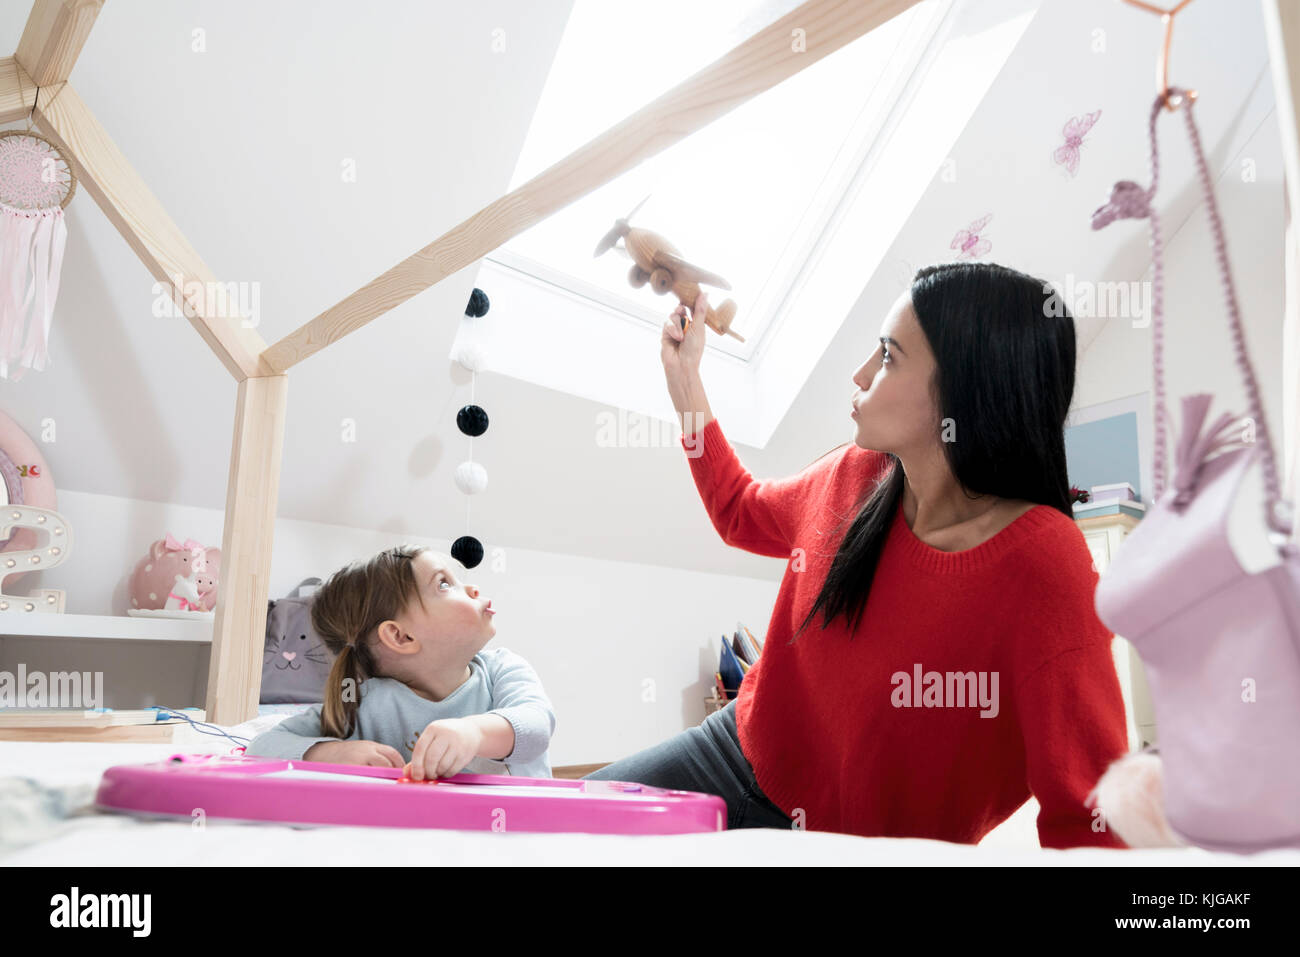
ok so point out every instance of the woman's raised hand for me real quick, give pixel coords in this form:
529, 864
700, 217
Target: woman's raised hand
681, 351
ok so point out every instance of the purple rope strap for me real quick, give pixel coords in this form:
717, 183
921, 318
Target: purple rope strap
1129, 200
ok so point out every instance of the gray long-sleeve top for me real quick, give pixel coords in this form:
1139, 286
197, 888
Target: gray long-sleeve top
501, 682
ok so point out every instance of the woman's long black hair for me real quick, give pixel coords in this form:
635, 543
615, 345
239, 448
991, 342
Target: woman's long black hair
1004, 349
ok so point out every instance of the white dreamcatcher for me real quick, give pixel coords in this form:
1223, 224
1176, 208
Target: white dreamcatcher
36, 185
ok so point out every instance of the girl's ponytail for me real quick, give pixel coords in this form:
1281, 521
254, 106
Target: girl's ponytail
346, 612
342, 694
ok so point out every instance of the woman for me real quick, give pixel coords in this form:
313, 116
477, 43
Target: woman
933, 656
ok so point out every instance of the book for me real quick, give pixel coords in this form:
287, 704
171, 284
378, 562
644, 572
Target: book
743, 644
730, 668
84, 718
742, 654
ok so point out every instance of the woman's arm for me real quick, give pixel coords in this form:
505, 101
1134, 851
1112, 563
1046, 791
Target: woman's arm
686, 389
758, 516
681, 351
1065, 691
1073, 726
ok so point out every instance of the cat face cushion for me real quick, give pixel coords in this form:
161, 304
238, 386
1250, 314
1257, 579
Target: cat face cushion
295, 663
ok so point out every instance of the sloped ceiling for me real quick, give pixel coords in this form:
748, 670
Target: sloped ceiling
245, 142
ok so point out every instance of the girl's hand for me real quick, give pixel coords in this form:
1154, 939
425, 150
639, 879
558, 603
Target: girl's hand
444, 748
369, 753
681, 351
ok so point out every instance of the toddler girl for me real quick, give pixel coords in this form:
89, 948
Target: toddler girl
411, 682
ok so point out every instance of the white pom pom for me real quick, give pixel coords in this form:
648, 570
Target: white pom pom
471, 356
471, 477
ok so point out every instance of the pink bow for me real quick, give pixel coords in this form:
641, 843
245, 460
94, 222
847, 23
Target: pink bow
190, 545
1198, 444
186, 604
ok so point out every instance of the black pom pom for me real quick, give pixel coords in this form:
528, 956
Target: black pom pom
472, 420
478, 304
467, 550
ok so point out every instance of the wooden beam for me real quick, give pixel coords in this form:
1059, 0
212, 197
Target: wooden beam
239, 630
15, 103
52, 40
115, 186
761, 62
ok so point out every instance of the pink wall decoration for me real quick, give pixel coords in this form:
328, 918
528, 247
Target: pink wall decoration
969, 243
1074, 132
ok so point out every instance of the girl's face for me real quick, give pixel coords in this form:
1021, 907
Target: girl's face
451, 618
893, 409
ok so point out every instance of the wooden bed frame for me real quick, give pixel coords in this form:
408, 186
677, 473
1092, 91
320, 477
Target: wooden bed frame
54, 35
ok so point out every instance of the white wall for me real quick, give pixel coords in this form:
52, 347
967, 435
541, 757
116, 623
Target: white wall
625, 651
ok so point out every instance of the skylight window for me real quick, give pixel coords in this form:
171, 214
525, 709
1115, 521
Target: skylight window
795, 197
747, 196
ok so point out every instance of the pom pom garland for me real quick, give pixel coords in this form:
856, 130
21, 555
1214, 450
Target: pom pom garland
472, 420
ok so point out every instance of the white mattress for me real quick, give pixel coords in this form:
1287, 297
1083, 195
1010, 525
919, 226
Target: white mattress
46, 818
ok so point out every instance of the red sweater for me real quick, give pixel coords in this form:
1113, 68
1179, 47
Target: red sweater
823, 721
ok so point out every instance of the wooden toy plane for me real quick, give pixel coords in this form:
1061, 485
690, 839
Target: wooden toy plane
657, 261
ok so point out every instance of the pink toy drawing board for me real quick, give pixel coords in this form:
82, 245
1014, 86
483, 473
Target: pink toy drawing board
251, 788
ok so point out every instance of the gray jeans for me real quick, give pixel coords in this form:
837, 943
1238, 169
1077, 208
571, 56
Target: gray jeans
706, 759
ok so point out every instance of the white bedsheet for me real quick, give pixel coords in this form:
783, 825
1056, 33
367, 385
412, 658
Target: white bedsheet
46, 818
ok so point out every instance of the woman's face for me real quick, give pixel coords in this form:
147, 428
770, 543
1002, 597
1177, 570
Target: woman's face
893, 409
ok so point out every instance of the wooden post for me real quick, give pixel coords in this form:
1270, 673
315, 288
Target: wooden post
239, 631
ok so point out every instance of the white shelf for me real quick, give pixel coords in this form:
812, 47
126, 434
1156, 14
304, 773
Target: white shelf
30, 624
1109, 507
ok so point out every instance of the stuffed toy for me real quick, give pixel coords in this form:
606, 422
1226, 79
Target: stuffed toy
295, 663
1131, 792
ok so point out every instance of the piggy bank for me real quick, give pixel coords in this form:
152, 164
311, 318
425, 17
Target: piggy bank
177, 576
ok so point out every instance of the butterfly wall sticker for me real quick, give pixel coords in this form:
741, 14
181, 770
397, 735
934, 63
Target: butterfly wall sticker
968, 241
1074, 131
